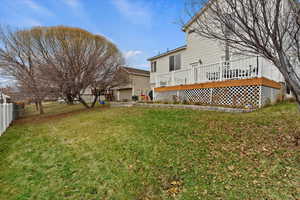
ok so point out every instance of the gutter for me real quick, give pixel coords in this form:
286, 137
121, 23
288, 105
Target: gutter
168, 52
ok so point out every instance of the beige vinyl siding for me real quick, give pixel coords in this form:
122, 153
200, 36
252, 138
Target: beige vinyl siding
140, 84
209, 51
125, 94
162, 63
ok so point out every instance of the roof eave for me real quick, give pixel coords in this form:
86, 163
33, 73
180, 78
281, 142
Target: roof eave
196, 16
140, 74
167, 53
134, 73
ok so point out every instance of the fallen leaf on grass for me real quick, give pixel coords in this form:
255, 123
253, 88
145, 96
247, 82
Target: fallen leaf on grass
173, 191
175, 183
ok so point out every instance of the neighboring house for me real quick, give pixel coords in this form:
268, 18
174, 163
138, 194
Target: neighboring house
131, 82
138, 85
198, 72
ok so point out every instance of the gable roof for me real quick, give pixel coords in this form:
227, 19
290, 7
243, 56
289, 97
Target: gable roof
135, 71
168, 52
203, 9
197, 15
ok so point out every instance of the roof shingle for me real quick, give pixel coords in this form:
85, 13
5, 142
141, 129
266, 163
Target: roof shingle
136, 71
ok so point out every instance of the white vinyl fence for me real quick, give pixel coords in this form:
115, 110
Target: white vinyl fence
6, 116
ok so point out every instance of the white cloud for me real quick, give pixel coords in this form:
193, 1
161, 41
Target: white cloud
131, 53
31, 4
77, 8
137, 12
107, 37
134, 58
24, 22
31, 22
38, 8
72, 3
25, 13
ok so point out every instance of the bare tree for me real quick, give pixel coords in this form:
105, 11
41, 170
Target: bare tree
58, 60
269, 28
74, 60
17, 59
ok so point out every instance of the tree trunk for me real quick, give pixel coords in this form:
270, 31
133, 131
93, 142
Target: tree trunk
36, 106
69, 99
41, 107
84, 103
95, 100
296, 93
295, 88
290, 78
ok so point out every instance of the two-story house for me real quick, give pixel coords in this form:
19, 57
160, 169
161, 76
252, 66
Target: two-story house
201, 72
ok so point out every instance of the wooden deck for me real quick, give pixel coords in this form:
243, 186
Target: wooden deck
220, 84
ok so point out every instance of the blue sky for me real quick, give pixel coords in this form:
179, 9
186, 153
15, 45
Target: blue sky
140, 28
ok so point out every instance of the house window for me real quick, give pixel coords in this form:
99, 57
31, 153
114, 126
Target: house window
175, 62
171, 63
153, 66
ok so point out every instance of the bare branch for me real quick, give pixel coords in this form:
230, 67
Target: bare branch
270, 29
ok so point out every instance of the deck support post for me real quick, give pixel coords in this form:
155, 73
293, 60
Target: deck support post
221, 71
118, 95
172, 78
259, 66
193, 79
157, 81
211, 95
260, 103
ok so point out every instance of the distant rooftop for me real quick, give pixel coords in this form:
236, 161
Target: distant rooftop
136, 71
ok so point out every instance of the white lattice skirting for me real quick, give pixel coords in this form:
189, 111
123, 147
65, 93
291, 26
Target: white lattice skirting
239, 96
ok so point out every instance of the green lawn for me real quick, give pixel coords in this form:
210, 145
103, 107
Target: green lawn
53, 108
140, 153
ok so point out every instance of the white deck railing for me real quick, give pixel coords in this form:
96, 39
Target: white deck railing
245, 68
6, 116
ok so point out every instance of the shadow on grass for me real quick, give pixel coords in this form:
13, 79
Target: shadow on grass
55, 116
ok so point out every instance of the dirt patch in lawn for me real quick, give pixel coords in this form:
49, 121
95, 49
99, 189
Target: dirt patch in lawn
36, 119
